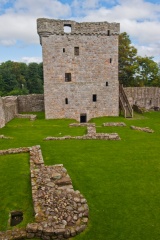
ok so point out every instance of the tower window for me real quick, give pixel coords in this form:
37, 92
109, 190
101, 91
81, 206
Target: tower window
76, 51
67, 28
107, 84
94, 98
67, 77
66, 100
108, 33
64, 50
110, 60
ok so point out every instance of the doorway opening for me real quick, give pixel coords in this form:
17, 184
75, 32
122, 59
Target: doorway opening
83, 118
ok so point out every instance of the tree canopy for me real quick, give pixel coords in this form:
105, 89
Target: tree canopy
135, 70
17, 78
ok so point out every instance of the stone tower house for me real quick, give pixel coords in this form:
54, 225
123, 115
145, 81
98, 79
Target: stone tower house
80, 68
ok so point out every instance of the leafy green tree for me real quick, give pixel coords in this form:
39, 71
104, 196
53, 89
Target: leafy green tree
19, 78
148, 72
127, 60
34, 78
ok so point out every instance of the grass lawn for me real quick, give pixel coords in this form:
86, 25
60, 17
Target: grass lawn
119, 179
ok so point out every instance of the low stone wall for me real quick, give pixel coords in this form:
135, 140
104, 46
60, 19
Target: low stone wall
144, 97
82, 125
91, 135
114, 124
2, 115
10, 106
5, 137
32, 117
146, 129
60, 212
31, 103
8, 109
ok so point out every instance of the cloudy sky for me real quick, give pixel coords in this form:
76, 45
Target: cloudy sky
18, 35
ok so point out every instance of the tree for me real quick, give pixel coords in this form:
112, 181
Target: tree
127, 60
19, 78
147, 72
34, 78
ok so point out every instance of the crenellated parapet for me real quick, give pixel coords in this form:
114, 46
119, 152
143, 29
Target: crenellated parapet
46, 27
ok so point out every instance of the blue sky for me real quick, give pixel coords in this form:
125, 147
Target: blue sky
19, 40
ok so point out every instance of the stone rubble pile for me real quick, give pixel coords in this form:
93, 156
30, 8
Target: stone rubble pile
60, 212
5, 137
32, 117
145, 129
91, 135
114, 124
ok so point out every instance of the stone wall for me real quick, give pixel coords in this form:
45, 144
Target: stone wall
2, 115
10, 106
91, 134
31, 103
145, 97
93, 71
60, 212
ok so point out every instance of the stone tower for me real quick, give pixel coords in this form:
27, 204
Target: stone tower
80, 68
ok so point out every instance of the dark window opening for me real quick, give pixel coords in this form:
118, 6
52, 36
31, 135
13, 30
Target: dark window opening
16, 218
94, 98
108, 33
150, 102
67, 28
67, 77
63, 49
107, 84
110, 60
83, 118
76, 51
66, 100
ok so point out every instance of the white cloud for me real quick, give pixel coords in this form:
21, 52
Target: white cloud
31, 59
19, 23
139, 18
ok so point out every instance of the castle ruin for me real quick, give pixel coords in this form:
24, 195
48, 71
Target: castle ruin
80, 68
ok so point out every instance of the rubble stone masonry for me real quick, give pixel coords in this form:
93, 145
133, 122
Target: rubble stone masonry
60, 212
145, 97
80, 69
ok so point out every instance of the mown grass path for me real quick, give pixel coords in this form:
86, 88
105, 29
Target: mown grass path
120, 179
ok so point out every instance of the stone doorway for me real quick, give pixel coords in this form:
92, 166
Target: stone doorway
83, 118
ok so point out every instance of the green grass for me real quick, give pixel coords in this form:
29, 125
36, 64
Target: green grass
15, 189
119, 179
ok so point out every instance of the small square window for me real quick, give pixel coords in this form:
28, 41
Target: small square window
66, 100
67, 77
76, 51
94, 98
107, 84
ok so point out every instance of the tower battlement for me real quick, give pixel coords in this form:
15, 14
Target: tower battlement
46, 27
